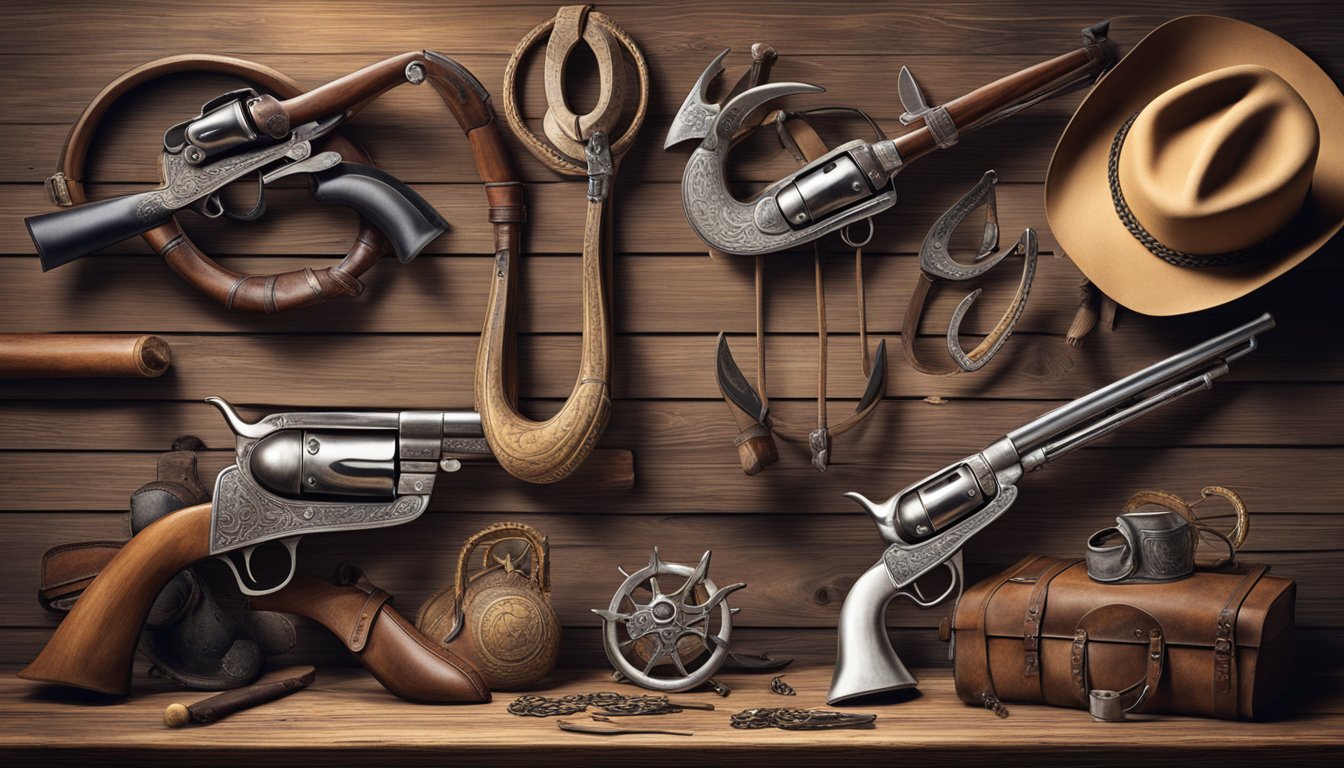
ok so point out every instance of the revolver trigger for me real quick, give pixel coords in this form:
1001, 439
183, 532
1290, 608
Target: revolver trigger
247, 563
291, 544
210, 206
258, 207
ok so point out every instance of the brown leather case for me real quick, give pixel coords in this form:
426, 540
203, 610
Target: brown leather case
1217, 644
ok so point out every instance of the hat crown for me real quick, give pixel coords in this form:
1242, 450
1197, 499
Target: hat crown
1221, 161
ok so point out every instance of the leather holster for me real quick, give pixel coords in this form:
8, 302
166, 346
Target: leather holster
188, 637
361, 616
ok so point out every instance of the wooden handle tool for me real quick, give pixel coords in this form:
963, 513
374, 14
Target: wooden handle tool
267, 688
53, 355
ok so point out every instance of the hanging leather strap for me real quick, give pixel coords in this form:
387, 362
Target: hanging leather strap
1226, 686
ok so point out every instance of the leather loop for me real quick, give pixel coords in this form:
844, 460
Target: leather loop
595, 24
1115, 623
288, 290
364, 620
548, 451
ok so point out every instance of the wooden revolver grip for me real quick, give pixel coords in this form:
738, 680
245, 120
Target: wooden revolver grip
94, 646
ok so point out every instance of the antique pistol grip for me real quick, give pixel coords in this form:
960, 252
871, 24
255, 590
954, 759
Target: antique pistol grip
398, 211
64, 236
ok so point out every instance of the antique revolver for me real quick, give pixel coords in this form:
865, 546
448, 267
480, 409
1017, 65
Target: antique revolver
928, 523
221, 145
297, 473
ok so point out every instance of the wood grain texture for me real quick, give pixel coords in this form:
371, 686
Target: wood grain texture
71, 452
345, 717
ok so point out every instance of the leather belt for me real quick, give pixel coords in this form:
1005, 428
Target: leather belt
580, 145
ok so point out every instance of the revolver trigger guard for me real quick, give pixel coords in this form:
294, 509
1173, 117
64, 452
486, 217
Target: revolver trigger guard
291, 544
916, 595
210, 206
258, 208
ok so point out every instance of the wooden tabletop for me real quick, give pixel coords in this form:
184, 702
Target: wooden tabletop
345, 717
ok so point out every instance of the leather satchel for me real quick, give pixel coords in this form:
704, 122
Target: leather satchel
1216, 644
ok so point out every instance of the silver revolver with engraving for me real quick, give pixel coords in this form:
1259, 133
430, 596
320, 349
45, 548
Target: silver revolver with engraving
297, 473
927, 524
326, 471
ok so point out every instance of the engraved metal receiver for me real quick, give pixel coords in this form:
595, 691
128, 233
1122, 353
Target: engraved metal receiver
319, 472
928, 523
853, 181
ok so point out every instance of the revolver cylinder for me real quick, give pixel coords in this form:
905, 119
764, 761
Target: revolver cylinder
938, 503
835, 185
218, 131
323, 463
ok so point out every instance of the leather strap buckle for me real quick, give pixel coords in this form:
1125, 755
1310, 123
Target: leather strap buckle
58, 189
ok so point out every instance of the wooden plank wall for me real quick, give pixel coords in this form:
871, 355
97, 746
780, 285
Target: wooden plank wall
74, 450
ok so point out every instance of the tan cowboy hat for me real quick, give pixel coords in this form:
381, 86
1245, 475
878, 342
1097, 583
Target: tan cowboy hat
1208, 162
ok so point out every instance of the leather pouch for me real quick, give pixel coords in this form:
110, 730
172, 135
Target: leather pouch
1217, 644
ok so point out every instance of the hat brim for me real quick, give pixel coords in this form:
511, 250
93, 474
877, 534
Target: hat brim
1078, 199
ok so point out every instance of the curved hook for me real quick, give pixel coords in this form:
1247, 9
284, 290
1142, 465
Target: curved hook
989, 346
934, 256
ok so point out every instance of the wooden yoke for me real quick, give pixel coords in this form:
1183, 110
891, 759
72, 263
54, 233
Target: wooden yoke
93, 647
547, 451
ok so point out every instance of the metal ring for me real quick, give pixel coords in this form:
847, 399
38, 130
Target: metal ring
844, 233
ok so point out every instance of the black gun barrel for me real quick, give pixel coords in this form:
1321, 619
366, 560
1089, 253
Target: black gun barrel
64, 236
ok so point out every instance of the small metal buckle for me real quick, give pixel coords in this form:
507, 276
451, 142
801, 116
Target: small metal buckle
58, 189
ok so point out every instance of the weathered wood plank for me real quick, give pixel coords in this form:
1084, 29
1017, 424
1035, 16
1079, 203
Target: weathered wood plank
798, 567
436, 371
796, 26
424, 152
345, 716
1247, 415
654, 294
651, 220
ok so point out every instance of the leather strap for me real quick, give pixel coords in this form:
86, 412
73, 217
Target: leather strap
1129, 616
251, 293
68, 569
805, 144
973, 659
1035, 616
1226, 687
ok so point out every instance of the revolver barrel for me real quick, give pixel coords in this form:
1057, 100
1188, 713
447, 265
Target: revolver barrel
1208, 359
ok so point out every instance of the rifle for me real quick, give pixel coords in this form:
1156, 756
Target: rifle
296, 474
928, 523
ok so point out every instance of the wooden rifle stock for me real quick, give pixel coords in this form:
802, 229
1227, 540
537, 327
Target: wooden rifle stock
94, 646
